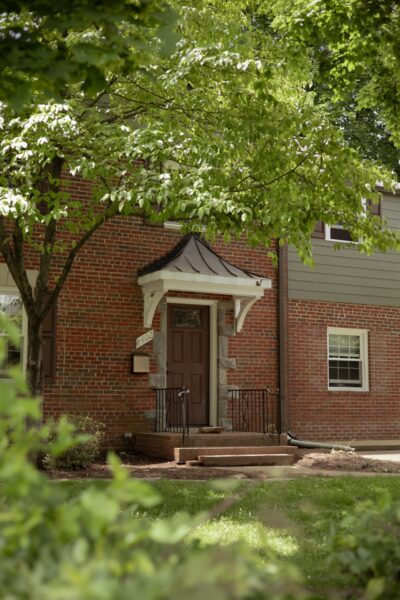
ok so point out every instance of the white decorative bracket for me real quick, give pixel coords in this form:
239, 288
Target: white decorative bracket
242, 307
244, 290
150, 304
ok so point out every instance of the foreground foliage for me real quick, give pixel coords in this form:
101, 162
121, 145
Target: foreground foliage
116, 539
95, 545
367, 550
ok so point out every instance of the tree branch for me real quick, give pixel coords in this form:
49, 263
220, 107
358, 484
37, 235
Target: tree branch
54, 170
265, 186
15, 262
99, 96
45, 262
110, 211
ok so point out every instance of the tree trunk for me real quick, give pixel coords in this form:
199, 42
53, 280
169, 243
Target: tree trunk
34, 377
34, 366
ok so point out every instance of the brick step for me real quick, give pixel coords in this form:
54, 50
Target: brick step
185, 454
237, 460
200, 440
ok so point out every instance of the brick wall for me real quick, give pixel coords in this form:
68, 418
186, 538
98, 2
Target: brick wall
317, 413
100, 313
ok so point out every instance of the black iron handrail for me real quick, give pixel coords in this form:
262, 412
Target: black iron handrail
255, 410
172, 411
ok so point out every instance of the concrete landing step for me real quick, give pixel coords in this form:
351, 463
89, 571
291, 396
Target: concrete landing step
185, 454
237, 460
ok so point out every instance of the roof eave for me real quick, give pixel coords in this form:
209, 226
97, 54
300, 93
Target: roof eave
233, 283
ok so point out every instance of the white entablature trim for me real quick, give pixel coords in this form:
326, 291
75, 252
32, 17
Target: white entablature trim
245, 291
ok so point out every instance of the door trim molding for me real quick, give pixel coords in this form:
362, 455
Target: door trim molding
213, 304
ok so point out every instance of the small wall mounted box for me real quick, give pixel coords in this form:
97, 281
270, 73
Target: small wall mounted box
140, 362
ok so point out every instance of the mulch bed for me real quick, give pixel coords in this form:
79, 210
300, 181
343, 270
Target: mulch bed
347, 461
143, 467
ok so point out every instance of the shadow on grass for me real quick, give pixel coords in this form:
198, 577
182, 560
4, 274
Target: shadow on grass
292, 520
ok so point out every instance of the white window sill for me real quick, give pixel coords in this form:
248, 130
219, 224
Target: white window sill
173, 225
346, 242
347, 389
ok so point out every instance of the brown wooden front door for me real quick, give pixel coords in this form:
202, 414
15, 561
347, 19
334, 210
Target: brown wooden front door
188, 360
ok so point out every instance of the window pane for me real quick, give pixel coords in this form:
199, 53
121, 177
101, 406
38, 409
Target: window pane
345, 373
339, 234
333, 370
13, 355
186, 317
11, 305
333, 345
354, 346
344, 346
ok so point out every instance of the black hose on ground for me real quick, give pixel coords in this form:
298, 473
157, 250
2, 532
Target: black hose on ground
293, 441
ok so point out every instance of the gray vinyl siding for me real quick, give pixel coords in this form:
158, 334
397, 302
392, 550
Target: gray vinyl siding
345, 275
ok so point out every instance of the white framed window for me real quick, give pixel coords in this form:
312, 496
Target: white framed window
11, 305
347, 359
337, 233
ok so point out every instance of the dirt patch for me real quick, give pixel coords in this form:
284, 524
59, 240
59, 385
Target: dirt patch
143, 467
347, 461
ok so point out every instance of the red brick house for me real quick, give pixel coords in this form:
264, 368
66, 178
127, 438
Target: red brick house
105, 308
261, 349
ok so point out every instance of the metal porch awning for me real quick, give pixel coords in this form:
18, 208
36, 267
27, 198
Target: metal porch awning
193, 266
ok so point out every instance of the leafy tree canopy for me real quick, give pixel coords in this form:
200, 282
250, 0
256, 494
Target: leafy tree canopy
225, 133
48, 44
232, 134
356, 46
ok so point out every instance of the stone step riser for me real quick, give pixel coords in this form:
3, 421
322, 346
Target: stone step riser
161, 445
187, 454
246, 460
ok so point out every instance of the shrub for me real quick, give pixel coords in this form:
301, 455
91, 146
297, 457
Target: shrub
366, 549
89, 436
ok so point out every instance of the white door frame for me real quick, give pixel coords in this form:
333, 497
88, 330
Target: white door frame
213, 394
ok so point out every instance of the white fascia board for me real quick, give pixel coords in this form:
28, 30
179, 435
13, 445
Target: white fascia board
381, 188
170, 280
173, 285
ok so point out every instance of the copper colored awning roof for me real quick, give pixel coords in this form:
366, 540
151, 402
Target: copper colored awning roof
193, 266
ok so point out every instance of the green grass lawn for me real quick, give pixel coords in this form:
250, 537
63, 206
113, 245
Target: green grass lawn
294, 519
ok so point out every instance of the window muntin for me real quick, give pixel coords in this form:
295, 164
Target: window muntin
347, 359
11, 305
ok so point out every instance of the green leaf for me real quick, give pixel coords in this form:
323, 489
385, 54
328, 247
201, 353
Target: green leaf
375, 588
